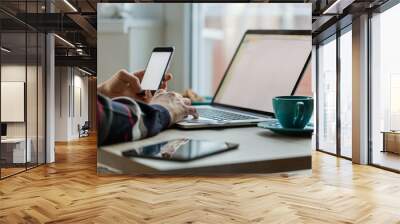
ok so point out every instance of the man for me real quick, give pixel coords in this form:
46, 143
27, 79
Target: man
124, 114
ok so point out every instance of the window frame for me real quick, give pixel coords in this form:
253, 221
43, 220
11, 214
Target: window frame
342, 32
25, 30
378, 10
334, 36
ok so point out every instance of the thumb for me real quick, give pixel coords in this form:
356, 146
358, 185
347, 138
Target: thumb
132, 81
136, 85
139, 74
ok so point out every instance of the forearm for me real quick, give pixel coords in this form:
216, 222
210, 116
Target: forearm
122, 119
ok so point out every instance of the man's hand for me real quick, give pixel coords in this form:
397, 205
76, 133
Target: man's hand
164, 84
124, 83
177, 106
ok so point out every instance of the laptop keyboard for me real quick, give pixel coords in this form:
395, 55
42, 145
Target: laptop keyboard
220, 115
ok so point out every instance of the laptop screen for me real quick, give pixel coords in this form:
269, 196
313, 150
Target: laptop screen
264, 66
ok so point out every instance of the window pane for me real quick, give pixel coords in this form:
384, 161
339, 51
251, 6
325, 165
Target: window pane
31, 97
14, 152
386, 88
32, 87
22, 89
346, 93
305, 85
327, 96
218, 29
41, 98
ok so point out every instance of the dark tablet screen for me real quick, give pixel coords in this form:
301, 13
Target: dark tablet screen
180, 149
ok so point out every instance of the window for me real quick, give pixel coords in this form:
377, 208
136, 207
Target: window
327, 95
334, 63
346, 93
385, 89
218, 28
22, 76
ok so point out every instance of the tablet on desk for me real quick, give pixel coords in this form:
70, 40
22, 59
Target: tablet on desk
183, 149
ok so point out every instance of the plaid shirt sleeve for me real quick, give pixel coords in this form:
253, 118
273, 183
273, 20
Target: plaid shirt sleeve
123, 119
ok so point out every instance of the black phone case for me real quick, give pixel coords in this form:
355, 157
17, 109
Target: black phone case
160, 49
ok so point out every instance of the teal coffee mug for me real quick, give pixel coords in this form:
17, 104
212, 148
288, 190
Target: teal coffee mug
293, 111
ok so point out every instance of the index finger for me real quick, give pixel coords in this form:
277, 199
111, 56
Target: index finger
168, 76
192, 111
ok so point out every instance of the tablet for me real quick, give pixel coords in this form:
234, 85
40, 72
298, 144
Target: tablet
183, 149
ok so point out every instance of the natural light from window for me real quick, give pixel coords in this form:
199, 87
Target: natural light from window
218, 29
385, 86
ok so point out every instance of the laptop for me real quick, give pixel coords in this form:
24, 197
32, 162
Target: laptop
267, 63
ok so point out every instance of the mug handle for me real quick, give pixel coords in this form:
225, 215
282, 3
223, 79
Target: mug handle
299, 113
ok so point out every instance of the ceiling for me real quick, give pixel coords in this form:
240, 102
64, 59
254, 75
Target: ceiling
76, 22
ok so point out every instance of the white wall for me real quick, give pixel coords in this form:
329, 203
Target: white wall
67, 115
127, 42
119, 45
61, 103
79, 118
33, 126
113, 53
12, 73
177, 33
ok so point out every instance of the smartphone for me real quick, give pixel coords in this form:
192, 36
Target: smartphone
156, 68
183, 149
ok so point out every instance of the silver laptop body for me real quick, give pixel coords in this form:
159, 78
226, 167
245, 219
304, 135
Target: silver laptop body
207, 122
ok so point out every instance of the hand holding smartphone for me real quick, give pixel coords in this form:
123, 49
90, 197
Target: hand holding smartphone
156, 68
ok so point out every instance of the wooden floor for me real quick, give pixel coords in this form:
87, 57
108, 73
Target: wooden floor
69, 191
5, 172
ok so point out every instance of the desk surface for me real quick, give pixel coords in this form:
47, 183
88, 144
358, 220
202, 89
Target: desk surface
260, 151
391, 132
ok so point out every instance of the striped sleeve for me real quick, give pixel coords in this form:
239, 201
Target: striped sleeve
123, 119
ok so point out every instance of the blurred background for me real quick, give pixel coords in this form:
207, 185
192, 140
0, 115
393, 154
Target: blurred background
205, 36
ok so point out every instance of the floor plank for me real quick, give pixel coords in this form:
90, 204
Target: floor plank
69, 191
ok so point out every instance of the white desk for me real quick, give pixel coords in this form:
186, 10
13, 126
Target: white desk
260, 151
16, 147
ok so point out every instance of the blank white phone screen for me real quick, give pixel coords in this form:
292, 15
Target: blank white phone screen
155, 70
